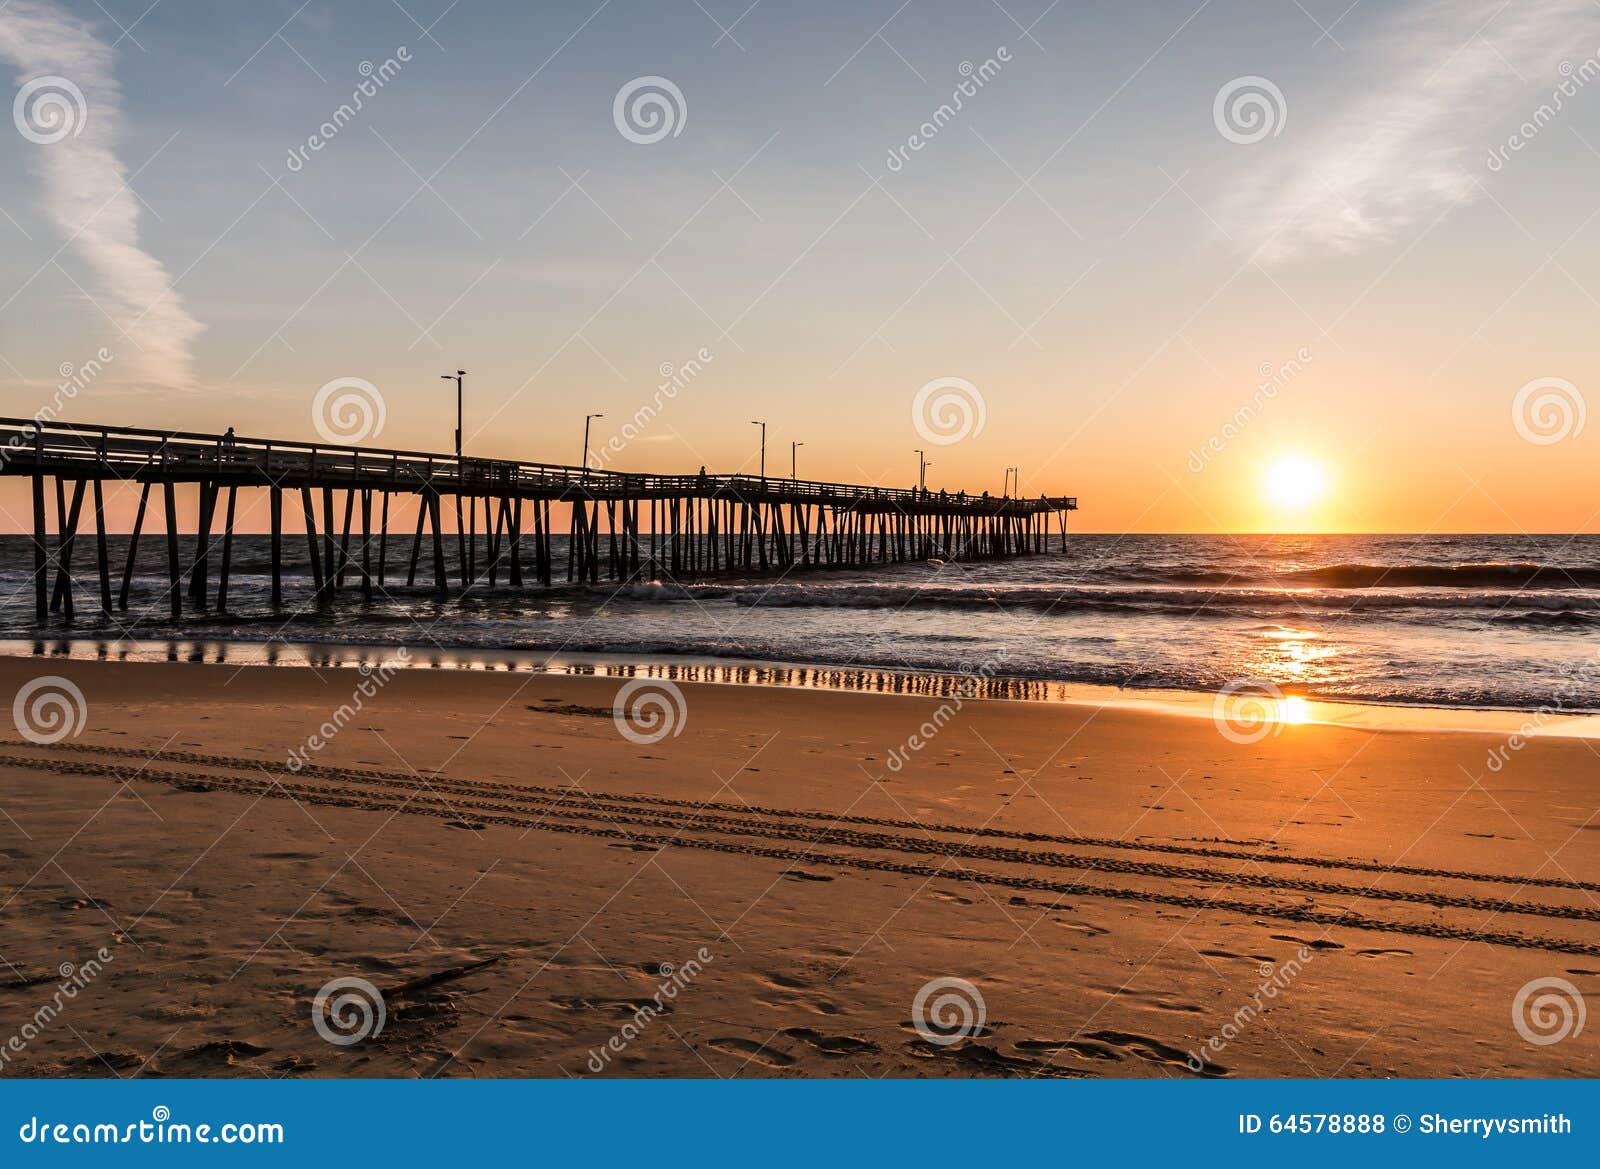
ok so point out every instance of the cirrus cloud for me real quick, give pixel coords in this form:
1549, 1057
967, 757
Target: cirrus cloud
85, 193
1408, 150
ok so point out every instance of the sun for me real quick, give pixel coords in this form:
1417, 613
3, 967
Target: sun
1294, 482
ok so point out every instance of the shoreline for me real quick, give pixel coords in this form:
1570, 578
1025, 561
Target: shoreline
1286, 707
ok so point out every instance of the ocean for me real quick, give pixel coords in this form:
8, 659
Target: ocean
1501, 622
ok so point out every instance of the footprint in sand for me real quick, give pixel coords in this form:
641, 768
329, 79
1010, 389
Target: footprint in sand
213, 1057
802, 875
751, 1052
1383, 953
977, 1032
834, 1045
1080, 927
1153, 1050
620, 1007
1080, 1048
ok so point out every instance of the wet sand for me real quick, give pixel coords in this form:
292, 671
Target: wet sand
769, 890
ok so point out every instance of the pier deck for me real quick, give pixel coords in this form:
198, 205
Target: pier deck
620, 526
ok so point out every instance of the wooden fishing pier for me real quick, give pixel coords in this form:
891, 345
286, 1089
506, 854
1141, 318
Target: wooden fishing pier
621, 526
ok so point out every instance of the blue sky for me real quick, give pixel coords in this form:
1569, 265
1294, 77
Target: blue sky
1081, 243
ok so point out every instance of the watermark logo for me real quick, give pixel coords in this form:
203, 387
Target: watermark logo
674, 980
947, 410
75, 979
973, 78
1566, 697
1548, 1010
373, 679
373, 78
1273, 380
648, 710
74, 379
1275, 979
947, 1010
348, 1010
1547, 410
648, 109
970, 685
49, 709
1247, 710
348, 410
1249, 109
1573, 78
674, 379
50, 109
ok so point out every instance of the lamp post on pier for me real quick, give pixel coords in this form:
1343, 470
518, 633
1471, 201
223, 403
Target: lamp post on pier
587, 418
763, 426
794, 461
456, 377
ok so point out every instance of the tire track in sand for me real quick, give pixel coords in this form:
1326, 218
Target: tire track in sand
413, 797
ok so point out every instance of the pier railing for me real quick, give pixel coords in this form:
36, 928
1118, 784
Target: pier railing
620, 525
28, 446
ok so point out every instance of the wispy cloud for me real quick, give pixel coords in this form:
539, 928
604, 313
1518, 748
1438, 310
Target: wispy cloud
1410, 149
84, 186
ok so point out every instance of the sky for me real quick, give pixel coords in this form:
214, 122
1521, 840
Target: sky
1208, 266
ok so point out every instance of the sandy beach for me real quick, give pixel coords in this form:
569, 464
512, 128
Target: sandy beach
764, 894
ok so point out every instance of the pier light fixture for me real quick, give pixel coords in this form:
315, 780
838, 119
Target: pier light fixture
587, 418
456, 377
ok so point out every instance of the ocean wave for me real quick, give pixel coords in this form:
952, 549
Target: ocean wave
1574, 619
1358, 575
1263, 604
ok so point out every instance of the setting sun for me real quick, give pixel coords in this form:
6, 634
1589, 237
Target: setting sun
1295, 482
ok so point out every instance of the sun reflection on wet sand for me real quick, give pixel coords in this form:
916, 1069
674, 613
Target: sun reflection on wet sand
1293, 711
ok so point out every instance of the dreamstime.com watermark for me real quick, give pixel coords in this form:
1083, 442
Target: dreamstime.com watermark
160, 1129
1547, 1010
973, 78
373, 679
647, 710
947, 1010
347, 1010
1570, 696
1274, 980
674, 379
1249, 109
1573, 78
1547, 410
74, 380
1273, 379
648, 109
50, 109
74, 980
968, 687
348, 410
49, 709
1247, 710
373, 79
674, 980
947, 410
